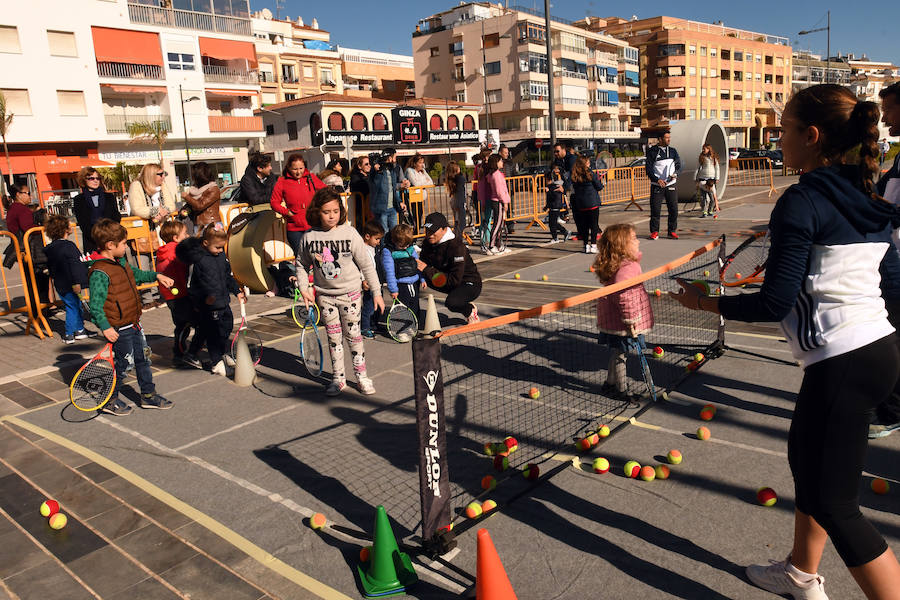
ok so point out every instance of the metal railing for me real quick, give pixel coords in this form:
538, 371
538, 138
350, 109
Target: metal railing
129, 70
120, 123
187, 19
216, 73
751, 172
15, 302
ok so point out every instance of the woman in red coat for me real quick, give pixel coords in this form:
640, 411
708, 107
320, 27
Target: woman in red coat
292, 194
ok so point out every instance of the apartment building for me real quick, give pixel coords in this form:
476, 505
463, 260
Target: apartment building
809, 69
369, 74
693, 70
481, 51
79, 75
295, 60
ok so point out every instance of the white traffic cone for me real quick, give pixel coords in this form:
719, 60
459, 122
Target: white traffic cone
432, 323
244, 369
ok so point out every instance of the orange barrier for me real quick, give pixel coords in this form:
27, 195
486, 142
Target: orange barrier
33, 291
26, 308
751, 172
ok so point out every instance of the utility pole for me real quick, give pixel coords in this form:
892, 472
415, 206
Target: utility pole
551, 93
187, 152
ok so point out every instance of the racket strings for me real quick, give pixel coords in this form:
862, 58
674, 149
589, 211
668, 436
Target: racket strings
311, 351
94, 384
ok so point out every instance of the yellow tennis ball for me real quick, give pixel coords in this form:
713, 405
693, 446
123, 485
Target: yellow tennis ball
49, 508
648, 473
632, 469
517, 276
699, 357
58, 520
488, 506
603, 431
174, 291
544, 278
662, 472
675, 457
534, 393
601, 465
880, 486
317, 521
706, 273
473, 510
703, 434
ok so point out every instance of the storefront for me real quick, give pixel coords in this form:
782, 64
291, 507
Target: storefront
227, 162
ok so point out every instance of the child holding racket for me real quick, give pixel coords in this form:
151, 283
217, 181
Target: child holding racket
209, 284
625, 315
337, 254
176, 297
398, 259
115, 306
372, 236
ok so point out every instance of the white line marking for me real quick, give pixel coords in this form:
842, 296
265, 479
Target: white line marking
236, 427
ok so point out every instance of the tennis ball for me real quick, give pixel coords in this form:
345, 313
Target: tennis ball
544, 278
517, 276
707, 414
601, 465
603, 431
702, 285
674, 457
658, 292
58, 520
632, 469
584, 443
880, 486
489, 448
591, 268
703, 434
365, 553
699, 357
711, 407
658, 352
488, 482
534, 393
706, 273
662, 472
174, 291
715, 216
49, 508
531, 472
473, 510
439, 279
648, 473
510, 443
594, 439
317, 521
737, 275
501, 463
488, 505
766, 496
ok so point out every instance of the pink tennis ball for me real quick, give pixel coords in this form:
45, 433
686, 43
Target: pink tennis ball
531, 472
766, 496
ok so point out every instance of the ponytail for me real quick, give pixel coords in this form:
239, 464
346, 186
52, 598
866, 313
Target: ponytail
862, 126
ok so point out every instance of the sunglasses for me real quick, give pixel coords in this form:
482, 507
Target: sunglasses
26, 192
162, 174
92, 178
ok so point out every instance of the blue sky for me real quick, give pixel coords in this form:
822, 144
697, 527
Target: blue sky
386, 25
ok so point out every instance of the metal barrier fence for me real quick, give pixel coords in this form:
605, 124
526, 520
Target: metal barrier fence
751, 172
9, 283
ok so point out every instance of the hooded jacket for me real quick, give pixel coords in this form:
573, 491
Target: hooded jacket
449, 257
66, 267
204, 203
293, 196
168, 264
831, 267
254, 191
209, 276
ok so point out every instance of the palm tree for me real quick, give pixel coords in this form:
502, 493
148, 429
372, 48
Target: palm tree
155, 132
5, 123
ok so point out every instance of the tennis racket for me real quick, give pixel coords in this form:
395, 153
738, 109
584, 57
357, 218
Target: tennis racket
402, 323
254, 342
747, 264
94, 382
310, 344
641, 350
301, 312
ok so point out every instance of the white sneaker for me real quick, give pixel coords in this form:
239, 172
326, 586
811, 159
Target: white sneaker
775, 578
493, 250
335, 387
219, 369
593, 248
366, 386
554, 241
473, 316
587, 249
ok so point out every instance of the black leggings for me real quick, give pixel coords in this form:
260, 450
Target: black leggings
588, 224
459, 299
556, 229
828, 439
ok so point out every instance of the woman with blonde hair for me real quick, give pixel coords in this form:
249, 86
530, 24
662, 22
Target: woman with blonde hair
707, 178
148, 195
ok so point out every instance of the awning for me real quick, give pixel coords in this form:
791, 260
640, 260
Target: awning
135, 89
231, 93
361, 77
678, 89
228, 50
126, 46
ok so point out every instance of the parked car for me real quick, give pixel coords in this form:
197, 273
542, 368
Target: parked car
231, 193
733, 153
638, 162
777, 158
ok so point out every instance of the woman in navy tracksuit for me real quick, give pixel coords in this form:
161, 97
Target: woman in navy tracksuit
830, 251
585, 201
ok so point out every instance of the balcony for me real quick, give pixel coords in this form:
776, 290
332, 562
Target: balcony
572, 74
229, 123
120, 123
187, 19
568, 48
128, 71
266, 77
218, 74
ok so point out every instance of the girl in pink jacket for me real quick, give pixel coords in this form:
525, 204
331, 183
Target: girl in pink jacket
499, 196
626, 314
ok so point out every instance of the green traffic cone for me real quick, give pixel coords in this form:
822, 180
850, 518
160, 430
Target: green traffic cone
389, 572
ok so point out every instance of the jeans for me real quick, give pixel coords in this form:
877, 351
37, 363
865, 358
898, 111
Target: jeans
388, 219
184, 318
74, 319
129, 348
294, 239
216, 326
657, 194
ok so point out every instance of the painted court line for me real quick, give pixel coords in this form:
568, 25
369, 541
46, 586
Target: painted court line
236, 427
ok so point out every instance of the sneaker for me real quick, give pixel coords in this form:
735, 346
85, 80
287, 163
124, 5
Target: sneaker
155, 401
219, 369
81, 334
368, 334
587, 248
594, 249
490, 251
654, 235
68, 339
473, 316
877, 430
229, 362
673, 235
554, 241
191, 361
365, 385
117, 408
336, 387
702, 215
775, 578
568, 236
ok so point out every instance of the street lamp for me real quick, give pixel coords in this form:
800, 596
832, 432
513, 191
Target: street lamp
187, 152
828, 41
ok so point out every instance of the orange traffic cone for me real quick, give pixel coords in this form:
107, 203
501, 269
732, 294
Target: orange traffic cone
491, 582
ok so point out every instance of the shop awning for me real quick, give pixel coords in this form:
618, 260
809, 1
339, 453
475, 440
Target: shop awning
231, 93
361, 77
134, 89
125, 46
228, 50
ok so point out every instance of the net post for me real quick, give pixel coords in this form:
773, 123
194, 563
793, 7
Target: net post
719, 345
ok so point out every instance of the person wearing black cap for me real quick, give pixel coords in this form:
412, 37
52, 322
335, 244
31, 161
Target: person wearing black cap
447, 267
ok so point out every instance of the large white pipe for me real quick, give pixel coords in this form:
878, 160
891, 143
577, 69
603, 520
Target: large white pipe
688, 138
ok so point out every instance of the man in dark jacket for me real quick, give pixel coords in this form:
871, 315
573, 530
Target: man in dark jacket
663, 166
258, 181
446, 265
564, 158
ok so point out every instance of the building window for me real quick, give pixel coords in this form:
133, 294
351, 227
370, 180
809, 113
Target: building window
748, 116
9, 40
693, 114
290, 96
336, 122
71, 103
738, 55
671, 50
535, 90
712, 51
435, 51
725, 94
435, 77
779, 61
326, 76
692, 50
493, 96
379, 122
758, 58
757, 97
725, 115
180, 62
692, 92
436, 123
768, 60
492, 68
459, 73
491, 40
702, 50
456, 48
461, 96
779, 97
779, 79
288, 73
712, 113
748, 76
468, 123
358, 122
703, 113
692, 71
292, 130
738, 75
703, 92
726, 54
768, 78
532, 32
17, 102
452, 123
702, 71
62, 43
270, 130
725, 74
